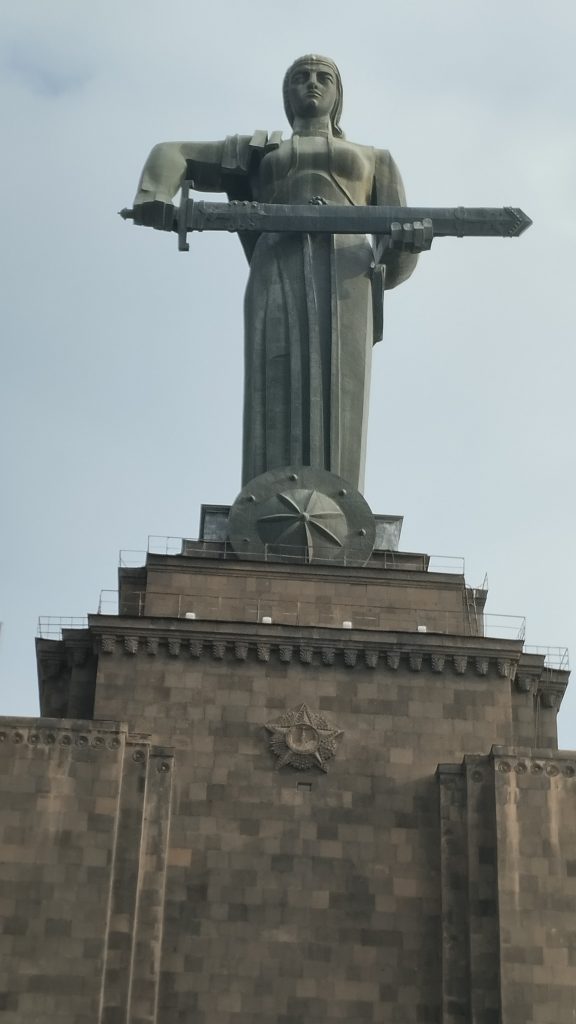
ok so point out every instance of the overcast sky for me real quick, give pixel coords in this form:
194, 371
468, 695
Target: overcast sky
121, 372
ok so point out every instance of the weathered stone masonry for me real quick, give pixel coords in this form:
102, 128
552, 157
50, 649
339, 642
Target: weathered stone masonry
160, 868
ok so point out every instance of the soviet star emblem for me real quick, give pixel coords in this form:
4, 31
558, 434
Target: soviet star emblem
302, 739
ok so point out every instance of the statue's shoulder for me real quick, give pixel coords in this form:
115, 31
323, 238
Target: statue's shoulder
383, 158
385, 168
387, 181
239, 150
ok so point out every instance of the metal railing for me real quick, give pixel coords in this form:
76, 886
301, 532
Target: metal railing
131, 558
108, 603
447, 563
202, 607
333, 613
50, 626
159, 545
556, 658
497, 626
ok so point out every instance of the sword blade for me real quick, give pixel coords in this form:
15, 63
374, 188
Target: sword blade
506, 222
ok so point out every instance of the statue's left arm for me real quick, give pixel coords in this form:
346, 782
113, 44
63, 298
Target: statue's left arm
388, 190
223, 166
170, 162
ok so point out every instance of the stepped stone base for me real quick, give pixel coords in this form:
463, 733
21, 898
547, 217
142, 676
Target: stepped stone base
174, 852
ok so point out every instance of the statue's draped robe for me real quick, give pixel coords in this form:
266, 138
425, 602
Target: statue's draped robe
312, 300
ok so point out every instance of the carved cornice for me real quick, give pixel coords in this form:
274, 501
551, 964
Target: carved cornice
554, 767
101, 737
50, 734
467, 656
512, 763
527, 682
550, 696
547, 685
370, 654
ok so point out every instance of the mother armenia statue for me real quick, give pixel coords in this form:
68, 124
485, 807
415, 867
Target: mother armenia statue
313, 306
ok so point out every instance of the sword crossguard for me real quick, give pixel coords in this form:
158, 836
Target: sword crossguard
185, 203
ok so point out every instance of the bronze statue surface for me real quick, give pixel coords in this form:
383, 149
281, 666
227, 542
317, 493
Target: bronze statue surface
313, 301
303, 208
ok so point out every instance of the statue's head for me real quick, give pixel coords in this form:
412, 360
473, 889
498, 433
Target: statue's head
299, 91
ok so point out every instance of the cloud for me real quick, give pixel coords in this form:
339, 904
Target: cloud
46, 71
47, 68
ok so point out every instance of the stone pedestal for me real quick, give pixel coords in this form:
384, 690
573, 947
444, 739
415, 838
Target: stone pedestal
168, 864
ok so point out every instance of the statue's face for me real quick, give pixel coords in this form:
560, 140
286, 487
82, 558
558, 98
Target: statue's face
313, 90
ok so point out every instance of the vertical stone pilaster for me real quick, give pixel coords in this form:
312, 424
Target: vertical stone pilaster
547, 704
482, 891
59, 785
149, 919
136, 911
454, 895
535, 792
81, 685
124, 886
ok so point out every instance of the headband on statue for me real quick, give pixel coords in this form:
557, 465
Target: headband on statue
315, 58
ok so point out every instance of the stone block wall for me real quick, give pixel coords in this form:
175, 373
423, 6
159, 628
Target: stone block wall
435, 698
372, 597
220, 887
535, 800
508, 838
83, 842
302, 894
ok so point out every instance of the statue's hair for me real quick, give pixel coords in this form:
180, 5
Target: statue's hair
336, 112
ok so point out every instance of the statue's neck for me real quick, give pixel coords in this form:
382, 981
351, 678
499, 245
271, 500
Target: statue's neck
312, 126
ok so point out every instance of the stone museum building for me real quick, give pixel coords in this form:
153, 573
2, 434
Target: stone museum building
294, 778
272, 791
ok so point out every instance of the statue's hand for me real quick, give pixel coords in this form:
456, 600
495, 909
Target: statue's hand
155, 214
413, 237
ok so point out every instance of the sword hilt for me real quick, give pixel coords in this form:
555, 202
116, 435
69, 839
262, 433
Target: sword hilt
185, 200
153, 214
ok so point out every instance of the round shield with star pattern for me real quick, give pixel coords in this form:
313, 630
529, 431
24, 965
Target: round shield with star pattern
299, 513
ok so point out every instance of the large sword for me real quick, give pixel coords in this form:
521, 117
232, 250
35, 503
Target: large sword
404, 224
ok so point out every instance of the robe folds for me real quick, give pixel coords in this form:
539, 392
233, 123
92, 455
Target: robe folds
313, 305
312, 314
308, 346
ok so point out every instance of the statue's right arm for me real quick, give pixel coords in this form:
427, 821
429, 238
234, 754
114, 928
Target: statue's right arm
170, 163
